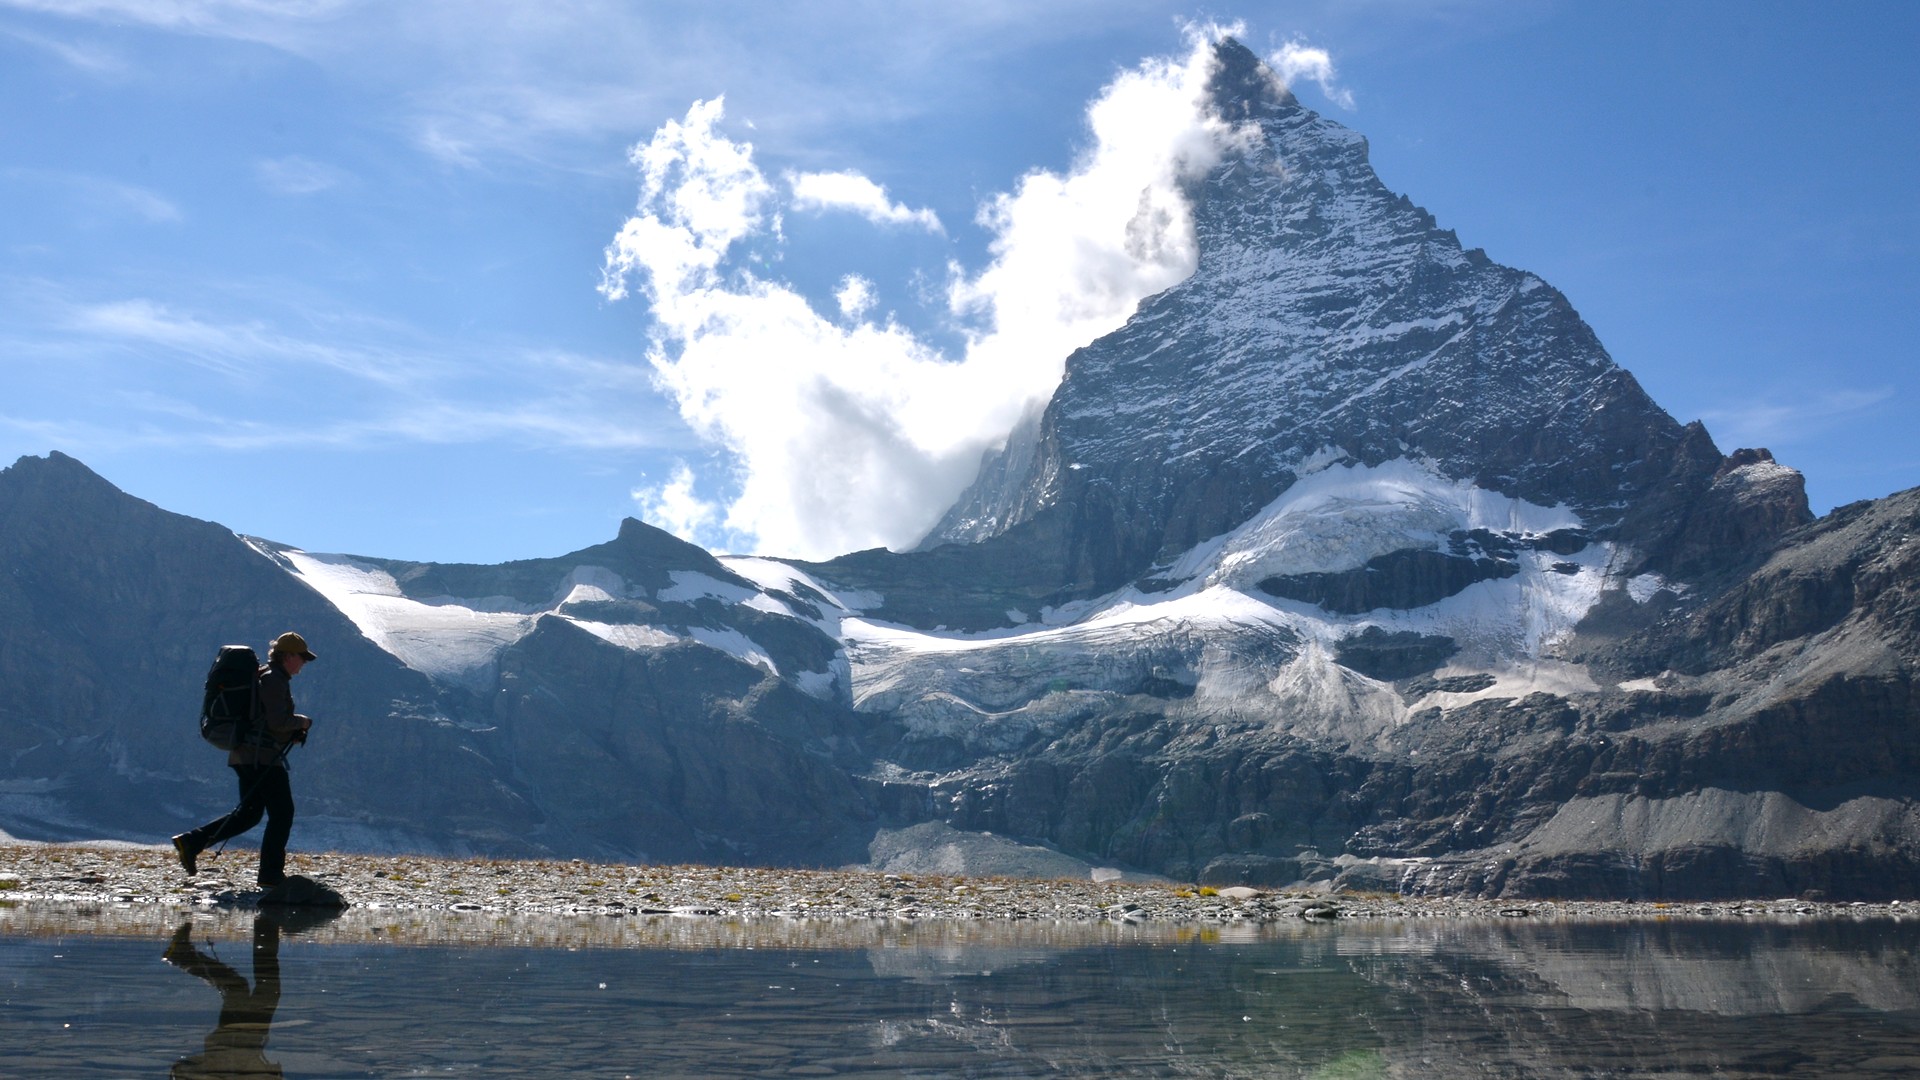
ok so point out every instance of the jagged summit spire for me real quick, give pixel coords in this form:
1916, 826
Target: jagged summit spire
1243, 83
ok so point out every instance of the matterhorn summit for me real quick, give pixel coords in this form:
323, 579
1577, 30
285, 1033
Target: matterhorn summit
1331, 320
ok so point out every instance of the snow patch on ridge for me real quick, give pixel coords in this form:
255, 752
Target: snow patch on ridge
1339, 516
459, 640
444, 639
628, 636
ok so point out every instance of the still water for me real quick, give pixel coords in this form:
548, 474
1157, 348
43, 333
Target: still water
104, 993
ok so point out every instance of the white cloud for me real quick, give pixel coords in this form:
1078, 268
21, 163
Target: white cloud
854, 193
673, 506
295, 175
1297, 60
699, 193
845, 437
855, 296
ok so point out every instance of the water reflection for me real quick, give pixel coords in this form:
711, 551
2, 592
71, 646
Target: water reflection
237, 1045
704, 997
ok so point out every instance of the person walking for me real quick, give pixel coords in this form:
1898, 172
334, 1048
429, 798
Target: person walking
260, 762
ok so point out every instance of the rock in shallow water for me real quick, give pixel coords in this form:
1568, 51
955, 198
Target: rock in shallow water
297, 891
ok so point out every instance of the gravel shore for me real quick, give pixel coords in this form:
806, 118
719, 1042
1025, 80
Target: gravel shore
148, 878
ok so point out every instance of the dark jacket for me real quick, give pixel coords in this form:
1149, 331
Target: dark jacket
276, 724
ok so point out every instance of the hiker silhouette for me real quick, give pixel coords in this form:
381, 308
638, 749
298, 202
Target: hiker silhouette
237, 1046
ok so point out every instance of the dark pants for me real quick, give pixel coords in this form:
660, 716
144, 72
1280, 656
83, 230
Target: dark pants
264, 789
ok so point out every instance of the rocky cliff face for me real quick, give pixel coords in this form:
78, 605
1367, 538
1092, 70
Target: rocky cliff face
1352, 561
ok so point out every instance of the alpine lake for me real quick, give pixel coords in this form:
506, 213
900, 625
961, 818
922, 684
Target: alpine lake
144, 990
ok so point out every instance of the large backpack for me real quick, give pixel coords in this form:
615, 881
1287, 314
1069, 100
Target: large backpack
232, 703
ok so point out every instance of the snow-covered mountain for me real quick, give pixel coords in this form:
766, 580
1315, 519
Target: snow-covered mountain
1329, 320
1353, 559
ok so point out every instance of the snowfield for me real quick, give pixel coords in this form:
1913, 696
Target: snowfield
1211, 641
1236, 648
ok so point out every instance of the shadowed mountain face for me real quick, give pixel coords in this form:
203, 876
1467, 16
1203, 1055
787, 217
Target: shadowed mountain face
112, 610
1353, 560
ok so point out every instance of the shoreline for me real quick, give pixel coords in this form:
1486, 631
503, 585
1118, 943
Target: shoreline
126, 875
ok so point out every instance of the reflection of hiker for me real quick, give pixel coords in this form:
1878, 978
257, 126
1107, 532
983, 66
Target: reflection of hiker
260, 762
237, 1047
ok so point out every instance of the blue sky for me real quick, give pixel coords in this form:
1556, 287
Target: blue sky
376, 278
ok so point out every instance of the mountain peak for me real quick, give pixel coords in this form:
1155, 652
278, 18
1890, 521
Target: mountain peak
1243, 84
1329, 319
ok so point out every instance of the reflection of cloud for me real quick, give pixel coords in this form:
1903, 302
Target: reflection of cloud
847, 437
299, 176
1773, 423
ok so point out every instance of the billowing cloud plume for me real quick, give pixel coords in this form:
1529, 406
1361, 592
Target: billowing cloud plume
1297, 60
845, 433
854, 193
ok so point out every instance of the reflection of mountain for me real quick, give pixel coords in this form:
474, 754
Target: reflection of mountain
1352, 558
1331, 1000
1724, 968
1676, 998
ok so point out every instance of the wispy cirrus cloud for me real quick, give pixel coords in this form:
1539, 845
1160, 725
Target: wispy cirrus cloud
93, 59
266, 21
1761, 422
475, 83
98, 197
156, 375
296, 175
251, 349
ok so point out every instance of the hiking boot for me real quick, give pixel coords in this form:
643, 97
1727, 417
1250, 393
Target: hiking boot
188, 854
